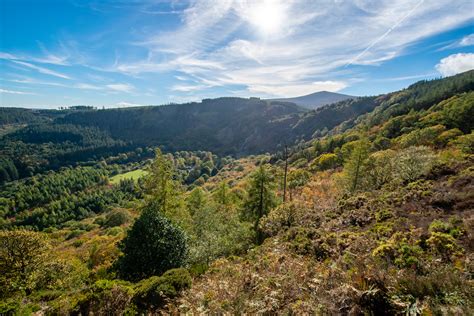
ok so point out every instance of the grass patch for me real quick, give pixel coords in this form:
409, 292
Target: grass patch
135, 174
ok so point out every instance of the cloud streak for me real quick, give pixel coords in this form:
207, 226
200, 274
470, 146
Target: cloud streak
42, 70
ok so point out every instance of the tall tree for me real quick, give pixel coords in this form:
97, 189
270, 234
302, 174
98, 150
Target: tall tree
355, 166
260, 200
164, 192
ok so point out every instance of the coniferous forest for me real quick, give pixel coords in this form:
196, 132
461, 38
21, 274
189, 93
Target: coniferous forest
242, 206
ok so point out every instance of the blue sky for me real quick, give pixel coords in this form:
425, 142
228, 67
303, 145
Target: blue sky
140, 52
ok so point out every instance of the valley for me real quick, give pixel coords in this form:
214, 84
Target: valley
197, 208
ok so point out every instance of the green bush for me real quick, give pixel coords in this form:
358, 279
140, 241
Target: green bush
413, 163
111, 297
445, 245
116, 217
75, 233
152, 246
325, 161
152, 292
306, 241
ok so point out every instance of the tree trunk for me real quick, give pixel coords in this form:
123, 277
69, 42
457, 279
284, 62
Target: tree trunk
286, 172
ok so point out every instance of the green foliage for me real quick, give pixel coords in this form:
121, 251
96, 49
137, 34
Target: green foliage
306, 241
413, 162
458, 112
22, 258
425, 136
163, 191
261, 198
401, 250
465, 143
325, 161
355, 166
151, 293
105, 297
216, 228
444, 244
116, 217
152, 246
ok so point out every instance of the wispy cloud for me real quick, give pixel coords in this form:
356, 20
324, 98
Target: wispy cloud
465, 41
279, 47
15, 92
42, 70
121, 87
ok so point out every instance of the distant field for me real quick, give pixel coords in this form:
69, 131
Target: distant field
135, 174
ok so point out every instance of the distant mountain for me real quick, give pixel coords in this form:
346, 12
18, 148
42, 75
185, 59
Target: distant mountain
316, 100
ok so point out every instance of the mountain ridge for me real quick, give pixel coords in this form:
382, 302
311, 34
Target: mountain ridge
317, 99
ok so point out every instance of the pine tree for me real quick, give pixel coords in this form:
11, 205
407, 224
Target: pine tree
355, 166
261, 199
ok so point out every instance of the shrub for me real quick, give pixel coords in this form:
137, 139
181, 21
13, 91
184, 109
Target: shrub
152, 292
424, 136
22, 257
105, 297
412, 163
116, 217
152, 246
400, 250
465, 143
75, 233
444, 244
445, 137
306, 241
446, 227
325, 161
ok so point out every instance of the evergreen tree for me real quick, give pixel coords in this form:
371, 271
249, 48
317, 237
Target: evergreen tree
261, 199
355, 166
152, 246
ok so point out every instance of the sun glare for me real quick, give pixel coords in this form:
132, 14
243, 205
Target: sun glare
267, 16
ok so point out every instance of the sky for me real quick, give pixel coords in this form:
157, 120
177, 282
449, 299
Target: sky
121, 53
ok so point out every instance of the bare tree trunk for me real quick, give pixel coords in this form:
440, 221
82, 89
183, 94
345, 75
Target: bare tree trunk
286, 172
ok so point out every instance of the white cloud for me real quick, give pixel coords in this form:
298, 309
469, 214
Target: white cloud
275, 46
121, 87
455, 64
15, 92
124, 104
42, 70
188, 88
87, 86
467, 40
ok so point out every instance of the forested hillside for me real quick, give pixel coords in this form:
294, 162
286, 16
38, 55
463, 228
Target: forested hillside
367, 210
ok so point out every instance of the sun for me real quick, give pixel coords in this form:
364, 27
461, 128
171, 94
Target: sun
266, 16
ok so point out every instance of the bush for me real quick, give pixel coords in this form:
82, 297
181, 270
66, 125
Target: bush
412, 163
116, 217
105, 297
465, 143
152, 292
424, 136
152, 246
445, 245
400, 250
325, 161
306, 241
